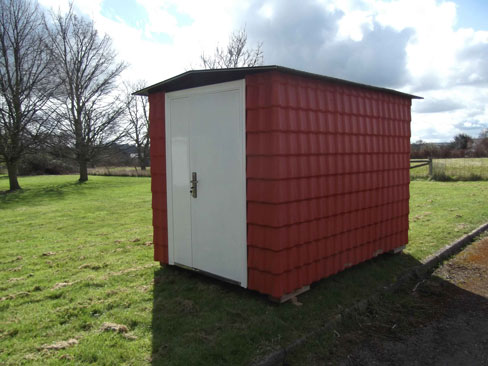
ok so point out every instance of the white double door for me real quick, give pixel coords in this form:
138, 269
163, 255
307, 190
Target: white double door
205, 137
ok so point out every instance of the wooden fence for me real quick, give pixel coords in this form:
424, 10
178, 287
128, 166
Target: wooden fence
421, 162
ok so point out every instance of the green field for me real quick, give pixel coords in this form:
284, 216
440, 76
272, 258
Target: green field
465, 169
74, 257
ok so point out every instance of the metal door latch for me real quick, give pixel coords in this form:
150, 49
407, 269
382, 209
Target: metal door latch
193, 184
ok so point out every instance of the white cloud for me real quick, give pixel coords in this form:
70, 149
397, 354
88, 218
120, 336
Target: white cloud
413, 45
266, 11
444, 62
149, 58
353, 24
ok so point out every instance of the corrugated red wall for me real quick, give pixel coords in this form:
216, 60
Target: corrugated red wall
327, 178
157, 133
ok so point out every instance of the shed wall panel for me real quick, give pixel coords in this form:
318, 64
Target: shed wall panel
158, 175
327, 178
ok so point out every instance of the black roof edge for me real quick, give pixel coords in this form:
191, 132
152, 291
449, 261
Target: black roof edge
195, 78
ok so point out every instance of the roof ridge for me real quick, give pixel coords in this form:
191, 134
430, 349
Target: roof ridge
187, 79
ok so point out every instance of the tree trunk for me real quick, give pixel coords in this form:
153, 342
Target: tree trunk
143, 161
140, 158
83, 170
12, 176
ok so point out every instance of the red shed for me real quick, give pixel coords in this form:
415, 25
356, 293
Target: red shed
273, 178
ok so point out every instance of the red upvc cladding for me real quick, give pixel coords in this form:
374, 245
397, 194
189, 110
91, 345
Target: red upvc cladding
327, 178
157, 133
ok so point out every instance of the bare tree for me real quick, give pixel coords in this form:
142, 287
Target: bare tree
235, 54
137, 115
88, 110
26, 82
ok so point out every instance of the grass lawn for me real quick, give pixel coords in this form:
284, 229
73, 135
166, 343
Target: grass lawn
73, 257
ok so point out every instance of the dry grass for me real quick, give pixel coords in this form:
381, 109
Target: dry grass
444, 170
120, 171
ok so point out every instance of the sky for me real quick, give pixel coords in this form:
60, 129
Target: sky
431, 48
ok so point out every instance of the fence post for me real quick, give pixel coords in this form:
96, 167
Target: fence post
430, 167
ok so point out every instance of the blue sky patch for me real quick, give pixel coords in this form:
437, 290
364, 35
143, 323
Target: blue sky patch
129, 11
135, 15
182, 18
161, 37
472, 14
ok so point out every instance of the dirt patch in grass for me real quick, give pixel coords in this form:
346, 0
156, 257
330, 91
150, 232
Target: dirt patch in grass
61, 285
14, 296
441, 320
186, 306
469, 270
15, 279
92, 266
113, 327
421, 216
128, 270
144, 288
56, 346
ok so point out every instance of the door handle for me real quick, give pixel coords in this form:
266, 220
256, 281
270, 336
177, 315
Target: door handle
193, 184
